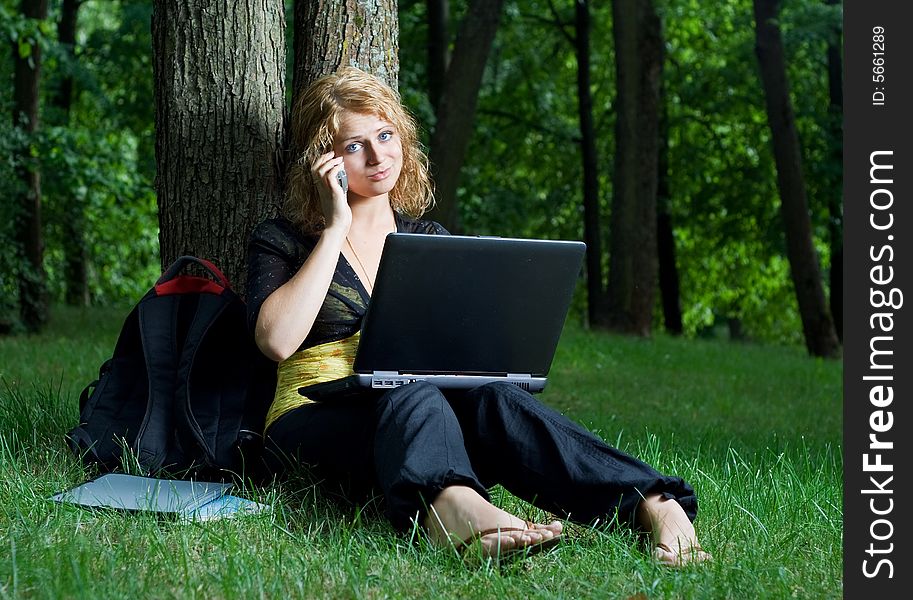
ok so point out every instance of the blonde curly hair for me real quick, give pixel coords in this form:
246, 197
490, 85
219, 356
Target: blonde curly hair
315, 123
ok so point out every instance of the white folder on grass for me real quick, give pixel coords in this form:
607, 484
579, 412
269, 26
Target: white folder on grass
194, 500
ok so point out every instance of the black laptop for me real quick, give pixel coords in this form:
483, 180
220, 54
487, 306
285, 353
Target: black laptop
461, 311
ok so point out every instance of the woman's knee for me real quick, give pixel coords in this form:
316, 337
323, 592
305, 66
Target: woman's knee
413, 392
501, 392
509, 404
410, 399
495, 402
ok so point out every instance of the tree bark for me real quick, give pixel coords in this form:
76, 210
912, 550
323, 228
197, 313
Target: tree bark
74, 244
669, 288
835, 198
33, 295
333, 33
219, 70
66, 35
592, 230
330, 34
817, 325
633, 247
457, 106
438, 48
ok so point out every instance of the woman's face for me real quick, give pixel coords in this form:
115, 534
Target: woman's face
372, 153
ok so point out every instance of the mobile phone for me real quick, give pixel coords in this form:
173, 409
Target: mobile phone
343, 180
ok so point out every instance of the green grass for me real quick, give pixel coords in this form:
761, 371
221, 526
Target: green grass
755, 429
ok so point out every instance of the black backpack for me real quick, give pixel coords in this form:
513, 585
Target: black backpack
186, 391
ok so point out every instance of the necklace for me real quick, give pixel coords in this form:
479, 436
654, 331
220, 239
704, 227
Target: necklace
360, 264
358, 259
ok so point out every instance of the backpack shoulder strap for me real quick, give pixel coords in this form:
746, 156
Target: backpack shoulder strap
158, 325
208, 310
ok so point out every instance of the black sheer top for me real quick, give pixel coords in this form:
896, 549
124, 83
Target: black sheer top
275, 253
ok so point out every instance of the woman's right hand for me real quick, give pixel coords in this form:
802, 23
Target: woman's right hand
333, 200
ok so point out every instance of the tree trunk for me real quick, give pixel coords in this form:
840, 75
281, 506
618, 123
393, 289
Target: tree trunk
74, 243
633, 248
219, 71
334, 33
835, 198
438, 48
33, 296
66, 35
820, 337
665, 239
457, 106
668, 271
592, 231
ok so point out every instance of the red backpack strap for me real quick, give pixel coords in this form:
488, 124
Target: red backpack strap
170, 283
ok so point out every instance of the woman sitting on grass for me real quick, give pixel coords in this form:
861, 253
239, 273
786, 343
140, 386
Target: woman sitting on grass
433, 455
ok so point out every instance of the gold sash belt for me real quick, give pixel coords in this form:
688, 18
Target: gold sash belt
317, 364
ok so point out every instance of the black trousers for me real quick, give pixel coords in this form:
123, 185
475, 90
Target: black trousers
413, 441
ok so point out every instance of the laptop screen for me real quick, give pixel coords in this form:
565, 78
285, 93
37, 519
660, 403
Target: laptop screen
468, 305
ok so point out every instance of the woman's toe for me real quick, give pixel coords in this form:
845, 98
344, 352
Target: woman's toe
552, 529
686, 556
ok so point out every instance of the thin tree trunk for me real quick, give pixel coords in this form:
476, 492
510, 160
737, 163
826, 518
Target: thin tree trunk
592, 231
820, 337
33, 296
457, 106
438, 48
74, 243
66, 35
220, 109
633, 248
668, 271
665, 239
835, 198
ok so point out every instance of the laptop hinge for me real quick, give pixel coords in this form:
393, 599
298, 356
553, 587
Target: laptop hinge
520, 375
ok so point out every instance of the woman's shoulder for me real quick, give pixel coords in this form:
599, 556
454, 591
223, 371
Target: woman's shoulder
407, 224
273, 227
280, 233
278, 228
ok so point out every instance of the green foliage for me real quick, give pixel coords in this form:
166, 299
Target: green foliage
524, 176
10, 259
118, 56
14, 27
23, 32
725, 204
97, 163
95, 181
808, 27
721, 175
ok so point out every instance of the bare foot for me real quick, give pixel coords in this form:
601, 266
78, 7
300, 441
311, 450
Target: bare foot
674, 539
459, 514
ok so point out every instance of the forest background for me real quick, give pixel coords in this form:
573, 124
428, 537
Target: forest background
543, 158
